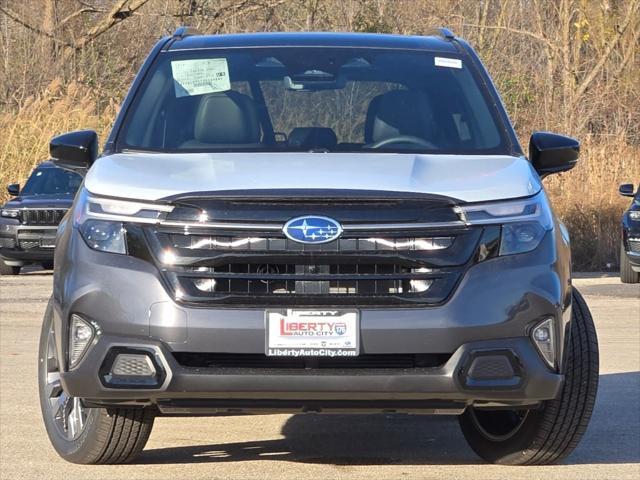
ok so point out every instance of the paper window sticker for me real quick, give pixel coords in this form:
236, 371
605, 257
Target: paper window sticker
448, 62
200, 76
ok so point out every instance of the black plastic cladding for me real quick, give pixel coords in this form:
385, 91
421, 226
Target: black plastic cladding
343, 205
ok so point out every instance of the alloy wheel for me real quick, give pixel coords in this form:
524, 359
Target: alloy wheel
68, 414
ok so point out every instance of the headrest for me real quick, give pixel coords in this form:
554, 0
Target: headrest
227, 118
398, 112
313, 137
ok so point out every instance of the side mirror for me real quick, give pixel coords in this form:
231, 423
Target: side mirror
627, 190
13, 189
74, 150
553, 153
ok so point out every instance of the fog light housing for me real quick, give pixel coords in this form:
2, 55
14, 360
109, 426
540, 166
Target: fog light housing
81, 334
543, 336
133, 365
126, 367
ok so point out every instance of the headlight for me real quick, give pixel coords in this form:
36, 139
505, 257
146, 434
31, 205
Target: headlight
520, 237
10, 212
101, 221
634, 215
524, 222
105, 235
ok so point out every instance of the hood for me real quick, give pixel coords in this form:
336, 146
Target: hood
470, 178
41, 201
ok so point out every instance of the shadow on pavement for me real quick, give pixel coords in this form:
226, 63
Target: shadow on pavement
614, 432
613, 437
35, 270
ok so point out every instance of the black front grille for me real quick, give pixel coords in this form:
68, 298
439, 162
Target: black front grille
324, 274
295, 279
254, 361
42, 216
200, 267
375, 262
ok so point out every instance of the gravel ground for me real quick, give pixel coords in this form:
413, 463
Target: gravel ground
320, 447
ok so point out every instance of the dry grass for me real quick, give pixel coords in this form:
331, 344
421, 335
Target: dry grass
26, 133
585, 198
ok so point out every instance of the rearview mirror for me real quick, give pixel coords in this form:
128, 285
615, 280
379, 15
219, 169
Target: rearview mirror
627, 190
553, 153
314, 82
13, 189
74, 150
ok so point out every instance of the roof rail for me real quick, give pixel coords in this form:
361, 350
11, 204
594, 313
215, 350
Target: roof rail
184, 31
442, 32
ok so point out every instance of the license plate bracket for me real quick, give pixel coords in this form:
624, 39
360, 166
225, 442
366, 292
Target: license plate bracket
312, 332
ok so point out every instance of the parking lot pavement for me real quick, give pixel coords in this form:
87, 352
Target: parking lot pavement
320, 447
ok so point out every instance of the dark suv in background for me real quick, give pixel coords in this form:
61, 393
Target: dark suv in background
630, 243
29, 221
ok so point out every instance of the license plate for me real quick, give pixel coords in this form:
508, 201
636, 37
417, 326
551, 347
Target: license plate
313, 333
48, 243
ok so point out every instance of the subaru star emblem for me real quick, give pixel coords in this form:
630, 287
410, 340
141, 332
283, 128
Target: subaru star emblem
311, 229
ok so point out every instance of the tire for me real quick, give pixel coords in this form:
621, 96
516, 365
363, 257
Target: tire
8, 269
48, 265
627, 275
85, 435
548, 434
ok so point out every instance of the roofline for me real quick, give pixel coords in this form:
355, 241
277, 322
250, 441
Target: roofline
186, 31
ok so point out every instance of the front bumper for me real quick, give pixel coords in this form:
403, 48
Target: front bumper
631, 244
449, 388
24, 243
492, 310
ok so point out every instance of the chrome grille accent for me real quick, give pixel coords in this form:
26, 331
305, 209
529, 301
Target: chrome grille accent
372, 244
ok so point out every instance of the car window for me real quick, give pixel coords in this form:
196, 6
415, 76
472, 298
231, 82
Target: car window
296, 98
344, 112
52, 181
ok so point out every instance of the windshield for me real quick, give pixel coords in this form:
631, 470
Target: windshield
307, 99
52, 181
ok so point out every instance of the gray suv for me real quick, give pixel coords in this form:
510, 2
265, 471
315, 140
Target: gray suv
315, 222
